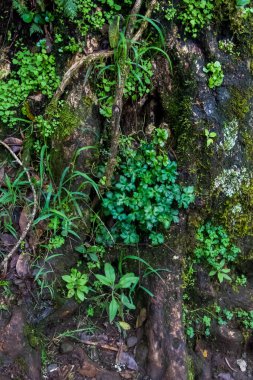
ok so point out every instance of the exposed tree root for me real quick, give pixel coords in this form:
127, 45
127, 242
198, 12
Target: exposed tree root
118, 102
78, 63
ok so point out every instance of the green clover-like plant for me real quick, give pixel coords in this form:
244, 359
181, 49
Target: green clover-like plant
76, 284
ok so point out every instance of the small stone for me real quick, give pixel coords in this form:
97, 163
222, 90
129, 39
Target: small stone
66, 347
241, 364
225, 376
131, 341
52, 368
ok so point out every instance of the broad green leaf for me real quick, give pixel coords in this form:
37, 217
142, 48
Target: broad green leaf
110, 272
126, 302
127, 280
27, 17
104, 280
71, 293
242, 3
67, 278
226, 277
113, 308
80, 295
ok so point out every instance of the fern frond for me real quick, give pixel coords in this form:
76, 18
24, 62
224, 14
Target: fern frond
69, 7
35, 29
20, 6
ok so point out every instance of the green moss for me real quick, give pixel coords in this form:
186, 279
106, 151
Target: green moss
32, 337
68, 119
21, 364
237, 216
238, 106
190, 368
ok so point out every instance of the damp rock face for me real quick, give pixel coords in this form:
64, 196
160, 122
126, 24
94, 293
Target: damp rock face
18, 358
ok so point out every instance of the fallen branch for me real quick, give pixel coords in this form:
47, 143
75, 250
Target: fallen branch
144, 25
4, 263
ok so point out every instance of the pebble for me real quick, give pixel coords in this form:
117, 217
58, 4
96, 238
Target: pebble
66, 347
52, 368
131, 341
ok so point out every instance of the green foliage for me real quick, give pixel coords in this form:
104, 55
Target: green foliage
132, 58
215, 249
116, 300
196, 15
209, 137
137, 85
241, 280
215, 72
36, 18
94, 14
170, 11
76, 284
228, 47
69, 7
35, 72
144, 195
45, 127
246, 318
93, 254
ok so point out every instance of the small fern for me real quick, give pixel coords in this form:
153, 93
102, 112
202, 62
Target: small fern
20, 6
35, 29
69, 7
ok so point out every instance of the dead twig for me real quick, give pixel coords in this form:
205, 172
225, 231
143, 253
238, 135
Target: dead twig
100, 345
227, 362
4, 263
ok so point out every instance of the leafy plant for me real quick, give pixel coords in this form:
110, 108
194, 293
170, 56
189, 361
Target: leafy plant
69, 7
35, 72
136, 60
241, 280
36, 18
228, 47
221, 272
209, 137
195, 15
215, 72
144, 195
116, 300
215, 249
76, 284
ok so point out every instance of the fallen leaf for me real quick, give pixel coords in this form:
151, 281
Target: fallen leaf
127, 375
205, 353
8, 240
127, 360
124, 325
23, 220
1, 175
13, 141
141, 317
89, 368
37, 97
22, 266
